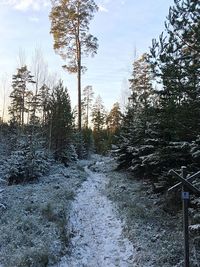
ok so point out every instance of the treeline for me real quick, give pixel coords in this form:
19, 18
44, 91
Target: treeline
162, 125
42, 125
161, 129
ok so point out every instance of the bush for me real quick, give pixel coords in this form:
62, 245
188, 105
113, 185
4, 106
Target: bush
27, 163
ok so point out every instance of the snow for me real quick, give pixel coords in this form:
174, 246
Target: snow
34, 225
195, 227
92, 235
97, 232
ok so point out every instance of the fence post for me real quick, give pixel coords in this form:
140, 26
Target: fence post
185, 201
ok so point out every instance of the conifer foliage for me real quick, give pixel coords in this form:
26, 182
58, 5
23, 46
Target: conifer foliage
70, 28
161, 128
99, 120
36, 140
137, 121
175, 60
60, 121
19, 95
88, 97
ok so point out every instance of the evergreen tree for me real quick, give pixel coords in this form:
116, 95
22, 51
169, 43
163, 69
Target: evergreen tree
19, 94
137, 138
60, 122
176, 63
113, 121
98, 115
161, 133
88, 140
142, 95
88, 96
70, 28
99, 120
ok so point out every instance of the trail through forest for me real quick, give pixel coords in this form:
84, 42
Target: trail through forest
97, 232
115, 223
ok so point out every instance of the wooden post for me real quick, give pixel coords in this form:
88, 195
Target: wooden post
185, 200
186, 186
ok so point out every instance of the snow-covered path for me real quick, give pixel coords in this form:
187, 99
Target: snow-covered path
97, 232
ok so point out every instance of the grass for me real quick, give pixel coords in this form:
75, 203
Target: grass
156, 234
34, 228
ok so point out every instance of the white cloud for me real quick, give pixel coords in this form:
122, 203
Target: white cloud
24, 5
102, 9
103, 3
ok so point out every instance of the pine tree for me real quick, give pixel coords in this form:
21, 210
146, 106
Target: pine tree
99, 120
114, 119
88, 96
98, 114
19, 94
70, 28
113, 122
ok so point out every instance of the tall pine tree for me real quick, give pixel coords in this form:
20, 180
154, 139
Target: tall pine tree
70, 28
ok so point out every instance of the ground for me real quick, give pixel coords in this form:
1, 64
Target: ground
96, 229
34, 220
115, 223
88, 215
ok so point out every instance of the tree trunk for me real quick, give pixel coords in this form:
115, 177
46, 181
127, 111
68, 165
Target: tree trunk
78, 44
79, 91
50, 133
79, 100
87, 119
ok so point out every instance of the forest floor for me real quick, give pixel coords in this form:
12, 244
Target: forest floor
34, 218
88, 215
114, 223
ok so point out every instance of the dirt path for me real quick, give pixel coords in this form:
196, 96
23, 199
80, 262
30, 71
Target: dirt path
97, 232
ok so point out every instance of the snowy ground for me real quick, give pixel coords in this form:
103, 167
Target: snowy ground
97, 232
114, 224
34, 223
113, 221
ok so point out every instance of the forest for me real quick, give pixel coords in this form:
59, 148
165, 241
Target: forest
49, 148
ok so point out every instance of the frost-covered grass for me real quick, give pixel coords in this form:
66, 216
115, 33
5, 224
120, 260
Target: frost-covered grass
97, 231
34, 223
156, 233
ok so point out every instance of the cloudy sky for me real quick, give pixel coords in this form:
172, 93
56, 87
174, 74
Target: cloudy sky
121, 26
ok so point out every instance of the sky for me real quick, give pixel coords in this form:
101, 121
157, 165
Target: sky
124, 28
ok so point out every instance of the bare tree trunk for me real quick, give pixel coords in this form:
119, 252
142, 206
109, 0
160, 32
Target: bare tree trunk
50, 134
78, 47
79, 100
87, 118
23, 110
78, 44
79, 91
39, 69
4, 97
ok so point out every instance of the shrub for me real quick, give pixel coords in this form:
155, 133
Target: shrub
27, 163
